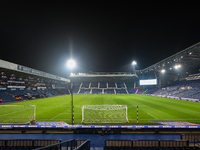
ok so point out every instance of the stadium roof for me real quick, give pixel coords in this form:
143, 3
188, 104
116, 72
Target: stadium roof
19, 70
188, 58
104, 74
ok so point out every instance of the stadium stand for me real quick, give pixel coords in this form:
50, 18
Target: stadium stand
6, 97
19, 144
94, 85
24, 82
130, 87
146, 144
179, 89
27, 94
121, 91
96, 91
85, 85
103, 85
120, 85
109, 91
192, 138
77, 87
111, 84
85, 91
103, 88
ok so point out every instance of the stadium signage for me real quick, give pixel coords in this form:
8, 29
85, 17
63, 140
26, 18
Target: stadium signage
21, 87
16, 67
15, 81
40, 83
88, 126
148, 82
36, 72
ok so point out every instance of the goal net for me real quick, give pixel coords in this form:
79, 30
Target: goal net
13, 114
104, 114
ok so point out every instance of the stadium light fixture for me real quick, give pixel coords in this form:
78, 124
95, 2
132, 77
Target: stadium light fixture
177, 66
71, 63
163, 71
134, 63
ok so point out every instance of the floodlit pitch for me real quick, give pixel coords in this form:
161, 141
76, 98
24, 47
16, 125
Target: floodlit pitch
149, 108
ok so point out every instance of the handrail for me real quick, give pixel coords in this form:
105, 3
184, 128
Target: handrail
45, 147
198, 142
83, 144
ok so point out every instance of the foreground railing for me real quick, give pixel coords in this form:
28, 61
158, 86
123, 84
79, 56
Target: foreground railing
147, 143
197, 142
84, 146
19, 144
68, 145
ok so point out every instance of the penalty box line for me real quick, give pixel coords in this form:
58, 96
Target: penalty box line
61, 114
13, 112
152, 115
58, 115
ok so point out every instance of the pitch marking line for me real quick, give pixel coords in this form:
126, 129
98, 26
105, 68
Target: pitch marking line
13, 112
62, 114
152, 115
58, 115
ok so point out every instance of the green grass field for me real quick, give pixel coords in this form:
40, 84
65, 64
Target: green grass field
150, 108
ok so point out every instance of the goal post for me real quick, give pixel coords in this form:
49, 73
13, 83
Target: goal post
104, 114
17, 114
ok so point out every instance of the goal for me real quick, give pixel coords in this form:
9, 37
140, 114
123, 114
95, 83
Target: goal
17, 114
104, 114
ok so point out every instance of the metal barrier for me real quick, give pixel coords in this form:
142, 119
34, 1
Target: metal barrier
25, 144
190, 137
197, 142
45, 144
66, 145
118, 143
84, 146
147, 143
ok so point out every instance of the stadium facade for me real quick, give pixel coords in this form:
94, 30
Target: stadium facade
17, 79
176, 77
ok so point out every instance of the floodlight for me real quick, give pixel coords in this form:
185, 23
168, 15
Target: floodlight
163, 70
71, 63
134, 63
177, 66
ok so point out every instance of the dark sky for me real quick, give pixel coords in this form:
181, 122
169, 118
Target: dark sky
104, 36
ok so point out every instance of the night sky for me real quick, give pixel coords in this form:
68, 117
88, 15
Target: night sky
100, 36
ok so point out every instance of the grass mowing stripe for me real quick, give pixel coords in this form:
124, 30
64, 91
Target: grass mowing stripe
161, 108
152, 115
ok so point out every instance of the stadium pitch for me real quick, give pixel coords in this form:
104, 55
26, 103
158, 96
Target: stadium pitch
150, 109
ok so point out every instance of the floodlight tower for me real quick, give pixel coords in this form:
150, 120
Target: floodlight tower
71, 64
134, 63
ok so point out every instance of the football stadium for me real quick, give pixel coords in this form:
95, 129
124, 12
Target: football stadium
154, 108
